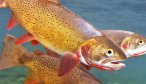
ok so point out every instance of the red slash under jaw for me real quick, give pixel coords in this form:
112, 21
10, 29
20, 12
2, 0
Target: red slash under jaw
103, 68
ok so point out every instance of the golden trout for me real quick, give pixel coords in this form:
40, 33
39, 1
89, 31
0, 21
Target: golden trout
132, 43
64, 32
43, 68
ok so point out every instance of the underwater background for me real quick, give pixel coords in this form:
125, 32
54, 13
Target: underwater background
104, 14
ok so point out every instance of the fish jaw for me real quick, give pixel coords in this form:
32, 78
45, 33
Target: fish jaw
137, 52
109, 66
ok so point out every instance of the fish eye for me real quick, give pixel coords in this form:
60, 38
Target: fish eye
110, 52
141, 42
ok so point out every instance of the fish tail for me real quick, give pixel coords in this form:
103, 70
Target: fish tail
10, 53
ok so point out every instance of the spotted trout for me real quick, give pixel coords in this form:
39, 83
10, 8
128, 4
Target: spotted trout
43, 68
133, 44
64, 32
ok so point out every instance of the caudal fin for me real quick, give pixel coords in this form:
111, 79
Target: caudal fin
10, 53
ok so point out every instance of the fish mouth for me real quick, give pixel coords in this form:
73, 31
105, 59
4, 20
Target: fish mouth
115, 65
137, 52
109, 65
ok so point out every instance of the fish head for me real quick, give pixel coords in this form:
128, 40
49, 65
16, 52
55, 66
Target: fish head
134, 45
106, 55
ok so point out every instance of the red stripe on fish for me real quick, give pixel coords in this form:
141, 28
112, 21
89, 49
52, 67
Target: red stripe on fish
103, 68
138, 54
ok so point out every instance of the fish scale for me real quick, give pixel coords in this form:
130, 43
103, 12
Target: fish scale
62, 31
42, 67
43, 72
59, 27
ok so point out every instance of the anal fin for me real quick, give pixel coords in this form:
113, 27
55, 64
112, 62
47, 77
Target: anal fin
25, 38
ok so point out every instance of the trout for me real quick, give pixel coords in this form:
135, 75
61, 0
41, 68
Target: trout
64, 32
133, 44
43, 68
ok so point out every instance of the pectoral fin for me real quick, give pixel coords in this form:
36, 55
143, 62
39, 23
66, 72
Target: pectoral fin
68, 62
12, 22
25, 38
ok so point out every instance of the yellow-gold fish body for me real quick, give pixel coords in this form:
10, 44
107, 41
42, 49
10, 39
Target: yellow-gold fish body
43, 68
51, 24
64, 32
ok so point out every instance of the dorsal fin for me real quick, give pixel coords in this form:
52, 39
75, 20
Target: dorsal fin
55, 1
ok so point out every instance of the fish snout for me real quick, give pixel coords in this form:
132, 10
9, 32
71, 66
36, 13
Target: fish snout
115, 65
137, 52
109, 64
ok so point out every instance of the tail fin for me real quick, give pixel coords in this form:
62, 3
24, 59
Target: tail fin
10, 53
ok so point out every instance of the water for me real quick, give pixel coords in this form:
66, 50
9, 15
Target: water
104, 14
